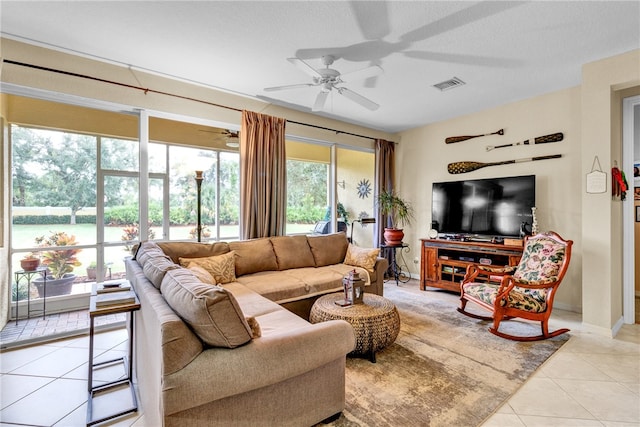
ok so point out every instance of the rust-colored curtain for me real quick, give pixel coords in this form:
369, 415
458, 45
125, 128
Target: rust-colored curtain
385, 173
263, 178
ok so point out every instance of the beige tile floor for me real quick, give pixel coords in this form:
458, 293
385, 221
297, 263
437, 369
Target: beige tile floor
590, 381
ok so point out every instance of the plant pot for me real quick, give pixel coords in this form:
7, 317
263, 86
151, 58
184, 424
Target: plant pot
91, 273
29, 264
55, 287
393, 236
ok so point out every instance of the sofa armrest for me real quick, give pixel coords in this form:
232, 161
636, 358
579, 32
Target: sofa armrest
218, 373
377, 279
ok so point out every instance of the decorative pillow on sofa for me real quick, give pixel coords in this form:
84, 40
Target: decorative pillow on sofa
254, 255
328, 249
292, 252
211, 311
221, 267
362, 257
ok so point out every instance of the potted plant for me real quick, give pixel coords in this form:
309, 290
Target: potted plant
399, 211
30, 262
59, 262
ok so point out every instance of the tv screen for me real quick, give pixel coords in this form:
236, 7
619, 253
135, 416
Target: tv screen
484, 207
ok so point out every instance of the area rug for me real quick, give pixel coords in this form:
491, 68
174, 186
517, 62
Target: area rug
445, 369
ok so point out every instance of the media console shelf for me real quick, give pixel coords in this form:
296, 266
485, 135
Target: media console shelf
444, 262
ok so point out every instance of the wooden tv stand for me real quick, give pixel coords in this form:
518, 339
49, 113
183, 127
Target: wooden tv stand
444, 262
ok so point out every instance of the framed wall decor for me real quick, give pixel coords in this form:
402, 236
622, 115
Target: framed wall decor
637, 213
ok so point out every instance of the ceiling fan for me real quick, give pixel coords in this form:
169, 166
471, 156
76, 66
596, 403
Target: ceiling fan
328, 79
229, 137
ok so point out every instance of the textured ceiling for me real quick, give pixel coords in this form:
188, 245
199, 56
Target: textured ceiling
503, 51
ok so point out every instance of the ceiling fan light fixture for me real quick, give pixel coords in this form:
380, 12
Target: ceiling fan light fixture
232, 142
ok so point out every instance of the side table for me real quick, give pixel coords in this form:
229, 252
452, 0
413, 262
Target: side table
376, 323
399, 275
127, 361
28, 275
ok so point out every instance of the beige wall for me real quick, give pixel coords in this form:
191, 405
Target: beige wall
602, 83
423, 157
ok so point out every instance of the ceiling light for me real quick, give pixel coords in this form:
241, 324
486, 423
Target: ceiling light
232, 142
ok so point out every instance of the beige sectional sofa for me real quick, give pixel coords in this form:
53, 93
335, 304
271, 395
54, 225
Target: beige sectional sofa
231, 353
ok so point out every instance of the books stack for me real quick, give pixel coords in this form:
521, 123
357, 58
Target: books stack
115, 298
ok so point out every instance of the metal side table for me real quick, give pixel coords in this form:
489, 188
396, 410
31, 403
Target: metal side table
127, 361
28, 275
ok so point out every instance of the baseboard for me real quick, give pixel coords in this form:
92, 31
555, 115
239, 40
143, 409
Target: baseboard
599, 330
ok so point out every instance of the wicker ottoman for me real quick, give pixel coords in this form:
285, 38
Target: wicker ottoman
376, 322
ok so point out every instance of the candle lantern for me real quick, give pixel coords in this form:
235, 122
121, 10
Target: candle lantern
353, 287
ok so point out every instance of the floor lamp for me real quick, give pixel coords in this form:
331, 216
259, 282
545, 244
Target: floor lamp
199, 205
361, 221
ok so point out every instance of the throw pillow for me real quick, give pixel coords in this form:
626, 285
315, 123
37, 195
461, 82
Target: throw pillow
211, 311
361, 257
221, 267
203, 275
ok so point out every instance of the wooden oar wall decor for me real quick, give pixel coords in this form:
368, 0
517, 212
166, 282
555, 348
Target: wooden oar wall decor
464, 167
470, 166
453, 139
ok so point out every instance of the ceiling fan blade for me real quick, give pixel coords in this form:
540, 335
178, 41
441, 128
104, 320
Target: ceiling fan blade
364, 73
300, 85
306, 68
320, 100
358, 99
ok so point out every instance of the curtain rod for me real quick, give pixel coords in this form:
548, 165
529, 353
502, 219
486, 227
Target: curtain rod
159, 92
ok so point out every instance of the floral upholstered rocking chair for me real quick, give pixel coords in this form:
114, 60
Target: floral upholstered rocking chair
524, 291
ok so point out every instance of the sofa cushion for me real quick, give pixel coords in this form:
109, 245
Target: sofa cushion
175, 250
362, 257
155, 267
295, 284
328, 249
211, 311
292, 252
148, 250
253, 256
221, 267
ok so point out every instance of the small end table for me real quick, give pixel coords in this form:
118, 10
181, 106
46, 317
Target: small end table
399, 275
94, 312
28, 275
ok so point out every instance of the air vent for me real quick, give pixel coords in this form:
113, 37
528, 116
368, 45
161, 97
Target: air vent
449, 84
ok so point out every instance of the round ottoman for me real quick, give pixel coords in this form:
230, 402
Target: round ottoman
376, 322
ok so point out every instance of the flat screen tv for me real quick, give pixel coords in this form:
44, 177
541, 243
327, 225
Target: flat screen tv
494, 207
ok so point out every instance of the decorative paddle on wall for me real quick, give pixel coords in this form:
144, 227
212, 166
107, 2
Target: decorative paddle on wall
464, 167
452, 139
554, 137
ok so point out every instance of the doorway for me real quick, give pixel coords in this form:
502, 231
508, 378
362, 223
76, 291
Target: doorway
631, 223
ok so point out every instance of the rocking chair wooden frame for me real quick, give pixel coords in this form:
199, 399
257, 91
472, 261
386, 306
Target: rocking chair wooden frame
498, 302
